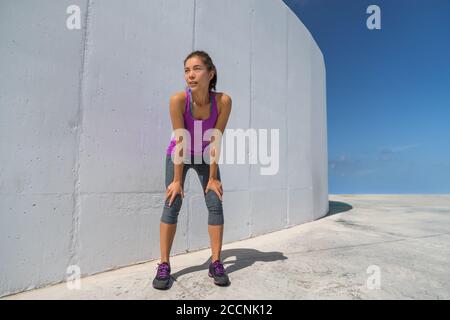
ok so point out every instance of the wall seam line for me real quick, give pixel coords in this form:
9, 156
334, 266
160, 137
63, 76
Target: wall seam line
286, 119
252, 15
189, 210
75, 227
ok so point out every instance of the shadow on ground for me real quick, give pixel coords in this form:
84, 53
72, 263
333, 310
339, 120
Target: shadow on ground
243, 258
337, 207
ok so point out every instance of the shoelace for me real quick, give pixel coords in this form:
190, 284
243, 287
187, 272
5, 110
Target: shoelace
163, 270
218, 268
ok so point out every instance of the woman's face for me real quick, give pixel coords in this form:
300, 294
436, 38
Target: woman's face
196, 74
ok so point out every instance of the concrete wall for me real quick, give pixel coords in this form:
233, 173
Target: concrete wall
84, 125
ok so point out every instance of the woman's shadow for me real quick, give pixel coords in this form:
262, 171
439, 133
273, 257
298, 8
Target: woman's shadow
243, 258
246, 257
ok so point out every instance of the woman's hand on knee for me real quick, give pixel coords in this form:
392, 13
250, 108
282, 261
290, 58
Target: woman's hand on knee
216, 186
172, 190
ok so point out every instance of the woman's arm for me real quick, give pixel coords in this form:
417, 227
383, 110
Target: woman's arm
224, 114
176, 104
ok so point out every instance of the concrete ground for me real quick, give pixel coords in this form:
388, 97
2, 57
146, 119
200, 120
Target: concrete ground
367, 247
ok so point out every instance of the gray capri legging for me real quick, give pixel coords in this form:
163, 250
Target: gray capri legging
213, 202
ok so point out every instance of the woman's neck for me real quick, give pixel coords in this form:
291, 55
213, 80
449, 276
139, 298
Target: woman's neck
200, 98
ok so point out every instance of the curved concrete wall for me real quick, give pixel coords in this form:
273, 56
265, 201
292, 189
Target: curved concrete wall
85, 123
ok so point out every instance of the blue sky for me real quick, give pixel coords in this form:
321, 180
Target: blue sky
388, 94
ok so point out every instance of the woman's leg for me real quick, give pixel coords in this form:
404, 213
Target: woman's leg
166, 236
215, 237
169, 218
215, 211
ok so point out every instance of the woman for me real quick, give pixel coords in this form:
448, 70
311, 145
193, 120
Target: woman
198, 106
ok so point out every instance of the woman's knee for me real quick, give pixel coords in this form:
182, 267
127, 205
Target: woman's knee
212, 199
215, 209
170, 213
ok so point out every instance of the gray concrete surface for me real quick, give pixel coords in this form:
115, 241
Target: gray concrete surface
407, 237
84, 126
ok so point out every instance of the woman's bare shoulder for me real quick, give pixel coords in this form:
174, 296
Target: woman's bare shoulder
222, 95
178, 99
223, 99
178, 96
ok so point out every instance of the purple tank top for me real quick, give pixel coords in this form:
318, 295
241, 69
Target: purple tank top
196, 127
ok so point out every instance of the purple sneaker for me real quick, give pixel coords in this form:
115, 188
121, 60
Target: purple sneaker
217, 271
162, 278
